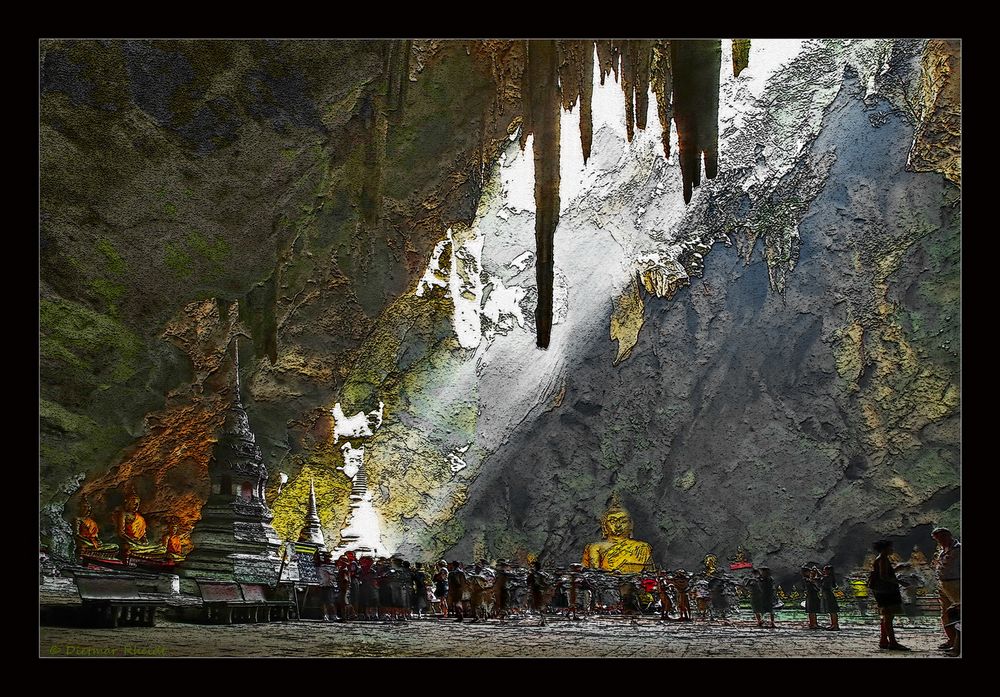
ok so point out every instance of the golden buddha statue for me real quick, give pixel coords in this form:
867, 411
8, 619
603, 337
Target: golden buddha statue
88, 535
711, 564
132, 531
917, 557
173, 545
618, 551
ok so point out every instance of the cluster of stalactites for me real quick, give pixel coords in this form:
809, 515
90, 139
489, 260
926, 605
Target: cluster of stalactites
684, 77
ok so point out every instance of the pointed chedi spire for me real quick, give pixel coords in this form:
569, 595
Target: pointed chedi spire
312, 531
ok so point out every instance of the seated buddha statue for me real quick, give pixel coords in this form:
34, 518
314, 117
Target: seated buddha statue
618, 551
917, 557
173, 545
88, 535
132, 532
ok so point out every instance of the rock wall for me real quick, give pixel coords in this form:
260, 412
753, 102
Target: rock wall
801, 423
191, 191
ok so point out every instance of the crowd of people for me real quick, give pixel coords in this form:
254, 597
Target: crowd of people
392, 588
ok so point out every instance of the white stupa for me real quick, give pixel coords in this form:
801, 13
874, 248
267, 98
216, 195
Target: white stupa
363, 532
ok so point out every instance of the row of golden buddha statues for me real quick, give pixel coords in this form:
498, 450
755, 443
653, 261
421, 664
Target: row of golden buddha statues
616, 552
133, 538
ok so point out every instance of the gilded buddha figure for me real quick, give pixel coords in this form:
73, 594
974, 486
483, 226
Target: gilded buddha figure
173, 545
88, 535
618, 551
132, 531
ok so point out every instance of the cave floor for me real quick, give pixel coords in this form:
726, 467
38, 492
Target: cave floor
592, 637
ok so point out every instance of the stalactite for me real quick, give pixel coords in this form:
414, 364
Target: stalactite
695, 68
684, 75
741, 55
635, 57
576, 82
540, 94
586, 102
608, 55
397, 73
663, 87
570, 58
628, 69
373, 116
642, 63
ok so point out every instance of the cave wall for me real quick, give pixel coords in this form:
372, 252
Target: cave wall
800, 422
192, 191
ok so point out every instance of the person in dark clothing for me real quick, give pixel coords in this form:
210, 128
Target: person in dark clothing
767, 594
369, 588
456, 587
327, 574
810, 588
827, 584
419, 590
753, 586
560, 600
355, 569
405, 589
717, 591
501, 591
662, 585
344, 584
953, 621
441, 587
388, 592
536, 586
629, 594
885, 587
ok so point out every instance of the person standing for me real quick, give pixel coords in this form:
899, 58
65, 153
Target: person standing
344, 583
810, 588
420, 590
666, 605
441, 587
827, 584
355, 571
536, 585
405, 581
369, 582
327, 574
948, 565
753, 586
501, 590
682, 583
767, 594
885, 588
456, 587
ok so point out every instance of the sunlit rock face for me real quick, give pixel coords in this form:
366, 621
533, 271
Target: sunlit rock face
773, 365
